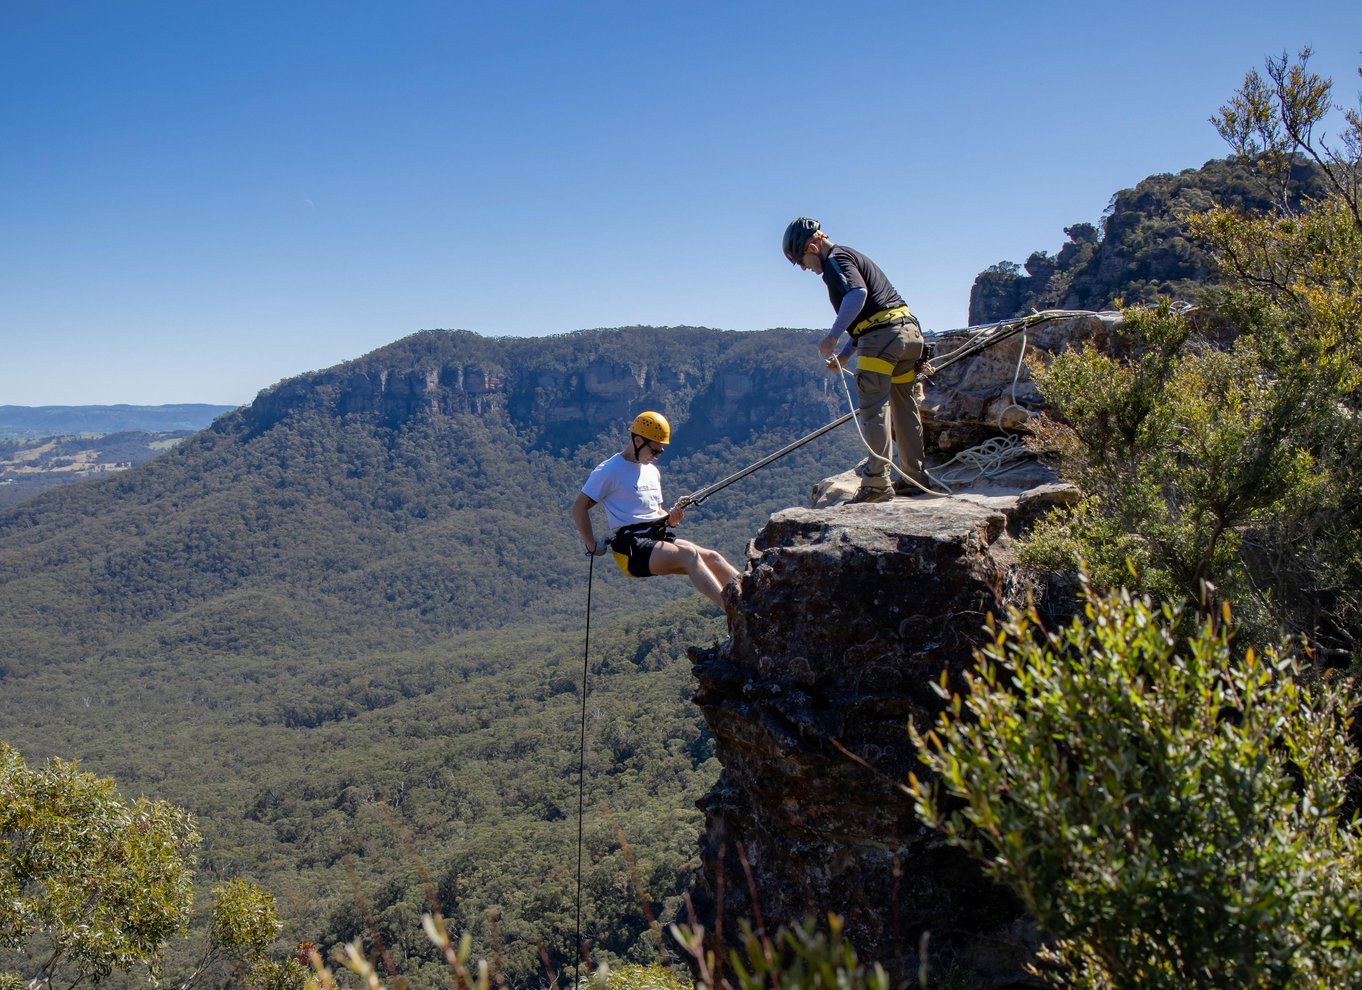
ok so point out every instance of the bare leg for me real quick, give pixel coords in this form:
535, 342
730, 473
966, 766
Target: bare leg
707, 569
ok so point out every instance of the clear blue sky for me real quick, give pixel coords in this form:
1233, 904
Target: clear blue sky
198, 199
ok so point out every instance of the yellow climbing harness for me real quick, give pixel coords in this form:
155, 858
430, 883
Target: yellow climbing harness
882, 367
882, 318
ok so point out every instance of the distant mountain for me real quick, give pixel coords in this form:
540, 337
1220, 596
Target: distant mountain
33, 422
1141, 251
344, 626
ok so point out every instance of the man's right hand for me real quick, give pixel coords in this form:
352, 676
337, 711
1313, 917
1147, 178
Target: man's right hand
601, 547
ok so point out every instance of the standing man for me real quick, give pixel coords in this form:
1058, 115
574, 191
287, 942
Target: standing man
629, 485
888, 343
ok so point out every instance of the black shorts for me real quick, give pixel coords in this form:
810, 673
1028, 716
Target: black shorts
633, 546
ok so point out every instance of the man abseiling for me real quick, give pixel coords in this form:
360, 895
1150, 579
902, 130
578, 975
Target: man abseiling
888, 344
629, 486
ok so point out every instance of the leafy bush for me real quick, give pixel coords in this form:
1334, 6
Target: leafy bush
91, 884
1167, 811
1183, 454
1224, 445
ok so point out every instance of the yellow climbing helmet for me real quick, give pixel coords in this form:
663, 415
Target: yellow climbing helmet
652, 426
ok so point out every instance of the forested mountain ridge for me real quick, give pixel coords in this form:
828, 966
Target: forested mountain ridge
353, 610
558, 392
391, 483
1143, 248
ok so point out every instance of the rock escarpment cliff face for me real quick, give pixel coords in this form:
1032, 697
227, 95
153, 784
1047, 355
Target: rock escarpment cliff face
562, 391
844, 619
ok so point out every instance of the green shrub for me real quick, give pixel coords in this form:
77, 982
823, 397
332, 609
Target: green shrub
1223, 446
1167, 811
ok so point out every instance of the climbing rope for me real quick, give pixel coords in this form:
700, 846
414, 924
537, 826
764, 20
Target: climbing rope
581, 779
984, 460
842, 376
995, 454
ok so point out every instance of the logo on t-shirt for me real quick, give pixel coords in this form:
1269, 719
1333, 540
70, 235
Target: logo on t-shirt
650, 490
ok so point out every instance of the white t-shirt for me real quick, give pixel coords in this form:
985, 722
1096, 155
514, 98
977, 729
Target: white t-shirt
631, 492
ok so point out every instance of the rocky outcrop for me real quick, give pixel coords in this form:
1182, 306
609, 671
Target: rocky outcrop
844, 620
972, 400
389, 395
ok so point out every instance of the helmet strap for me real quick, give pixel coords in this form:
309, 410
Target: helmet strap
639, 443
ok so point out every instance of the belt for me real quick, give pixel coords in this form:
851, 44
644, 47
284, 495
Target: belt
883, 318
643, 527
657, 530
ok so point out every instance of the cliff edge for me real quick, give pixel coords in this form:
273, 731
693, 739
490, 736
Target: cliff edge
844, 620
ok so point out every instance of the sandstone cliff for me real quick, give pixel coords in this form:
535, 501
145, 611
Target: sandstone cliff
563, 391
845, 617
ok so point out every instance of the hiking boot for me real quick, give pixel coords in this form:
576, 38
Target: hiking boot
872, 495
908, 491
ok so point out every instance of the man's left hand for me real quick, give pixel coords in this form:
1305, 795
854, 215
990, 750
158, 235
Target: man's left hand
827, 345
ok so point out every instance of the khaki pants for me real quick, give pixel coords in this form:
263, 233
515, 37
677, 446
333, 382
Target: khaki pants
885, 363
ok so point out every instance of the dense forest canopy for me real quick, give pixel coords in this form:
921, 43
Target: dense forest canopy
343, 627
